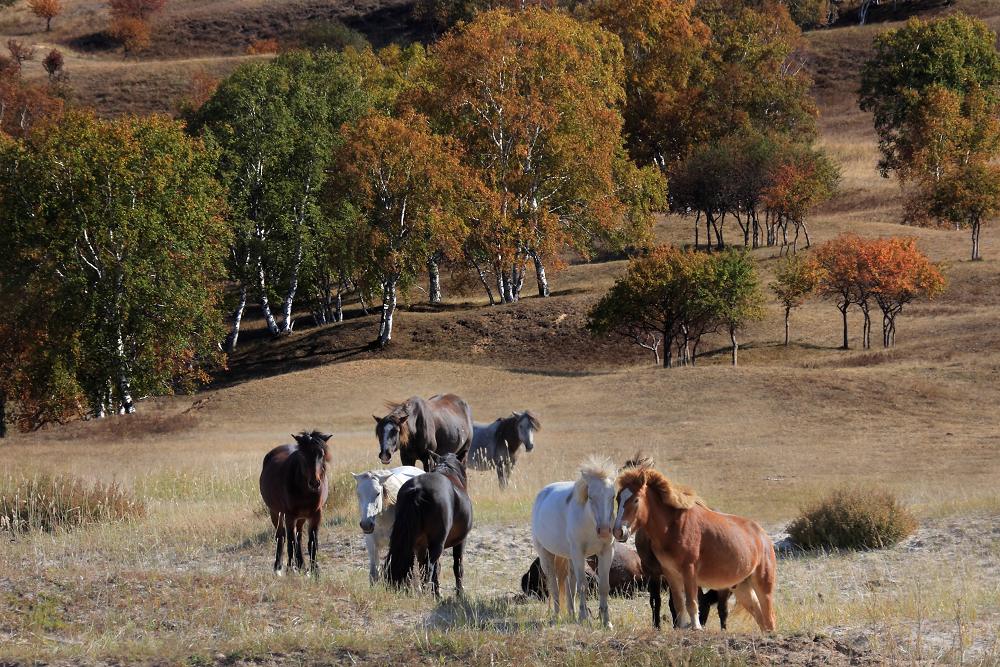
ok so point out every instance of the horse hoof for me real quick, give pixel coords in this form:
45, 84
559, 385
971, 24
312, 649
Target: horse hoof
279, 573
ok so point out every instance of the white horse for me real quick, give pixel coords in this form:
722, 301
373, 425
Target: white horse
571, 521
377, 491
498, 444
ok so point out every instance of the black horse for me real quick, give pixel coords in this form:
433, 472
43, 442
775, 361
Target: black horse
433, 513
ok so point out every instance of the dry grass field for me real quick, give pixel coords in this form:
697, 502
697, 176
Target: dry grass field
191, 582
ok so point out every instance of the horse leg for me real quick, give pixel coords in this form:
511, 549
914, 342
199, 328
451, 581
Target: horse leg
299, 560
503, 475
425, 567
763, 584
604, 583
548, 564
290, 540
654, 600
434, 551
580, 577
457, 552
691, 592
277, 519
678, 605
748, 600
314, 541
723, 606
372, 548
705, 601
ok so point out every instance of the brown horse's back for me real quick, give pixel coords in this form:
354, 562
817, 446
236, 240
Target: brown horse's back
730, 548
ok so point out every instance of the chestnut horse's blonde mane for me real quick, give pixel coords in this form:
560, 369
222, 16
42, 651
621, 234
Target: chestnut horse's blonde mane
670, 494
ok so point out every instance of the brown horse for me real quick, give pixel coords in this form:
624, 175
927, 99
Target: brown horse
696, 546
625, 579
294, 487
416, 427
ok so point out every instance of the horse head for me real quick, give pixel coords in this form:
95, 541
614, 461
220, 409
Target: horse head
631, 487
596, 489
392, 432
452, 466
527, 424
370, 491
314, 457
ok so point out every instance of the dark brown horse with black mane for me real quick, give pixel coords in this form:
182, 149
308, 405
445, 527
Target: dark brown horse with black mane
498, 444
416, 428
294, 487
433, 513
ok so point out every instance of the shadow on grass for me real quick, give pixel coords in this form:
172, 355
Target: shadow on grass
493, 614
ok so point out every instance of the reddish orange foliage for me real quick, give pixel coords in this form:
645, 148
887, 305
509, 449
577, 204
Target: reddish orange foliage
262, 46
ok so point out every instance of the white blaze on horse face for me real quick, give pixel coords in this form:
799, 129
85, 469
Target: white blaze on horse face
621, 528
526, 433
385, 453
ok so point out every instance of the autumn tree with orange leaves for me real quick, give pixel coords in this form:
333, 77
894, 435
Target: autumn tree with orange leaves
46, 9
887, 272
533, 98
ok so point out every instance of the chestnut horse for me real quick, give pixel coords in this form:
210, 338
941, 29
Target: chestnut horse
696, 546
294, 487
416, 428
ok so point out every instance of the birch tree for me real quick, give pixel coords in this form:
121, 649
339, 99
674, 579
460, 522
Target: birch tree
275, 124
533, 97
400, 192
121, 224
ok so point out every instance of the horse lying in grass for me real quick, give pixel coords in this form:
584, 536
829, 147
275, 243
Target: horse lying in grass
625, 578
569, 522
294, 487
377, 491
433, 513
416, 428
696, 546
498, 444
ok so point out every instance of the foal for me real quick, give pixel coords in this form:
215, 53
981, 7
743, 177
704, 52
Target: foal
294, 487
696, 546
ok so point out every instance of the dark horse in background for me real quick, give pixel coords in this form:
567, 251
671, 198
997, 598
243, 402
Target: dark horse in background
497, 445
294, 487
433, 513
416, 428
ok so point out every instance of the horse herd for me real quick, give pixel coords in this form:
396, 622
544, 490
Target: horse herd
580, 528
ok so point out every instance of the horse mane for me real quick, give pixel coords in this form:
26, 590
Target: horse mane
670, 494
638, 460
391, 486
450, 463
313, 443
595, 467
535, 424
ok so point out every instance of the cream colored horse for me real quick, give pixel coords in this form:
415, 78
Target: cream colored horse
376, 492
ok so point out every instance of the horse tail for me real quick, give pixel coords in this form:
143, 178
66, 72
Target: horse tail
403, 538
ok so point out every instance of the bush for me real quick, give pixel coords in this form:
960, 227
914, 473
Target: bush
263, 47
853, 519
332, 35
46, 503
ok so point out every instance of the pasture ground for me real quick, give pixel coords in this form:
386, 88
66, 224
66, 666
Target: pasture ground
191, 582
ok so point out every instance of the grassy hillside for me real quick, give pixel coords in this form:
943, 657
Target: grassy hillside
191, 581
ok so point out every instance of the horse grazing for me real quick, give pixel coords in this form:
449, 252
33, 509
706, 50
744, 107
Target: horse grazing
625, 579
377, 490
433, 513
571, 521
696, 546
416, 428
497, 445
294, 487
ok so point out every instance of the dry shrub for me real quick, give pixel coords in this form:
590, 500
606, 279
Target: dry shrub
262, 47
47, 503
853, 519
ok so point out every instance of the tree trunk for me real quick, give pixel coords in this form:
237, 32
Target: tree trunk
788, 312
3, 414
126, 405
668, 351
293, 286
482, 279
234, 333
265, 305
736, 346
48, 24
543, 283
843, 311
388, 310
866, 327
697, 224
975, 240
434, 279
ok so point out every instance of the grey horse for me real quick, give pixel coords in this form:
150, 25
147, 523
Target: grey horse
498, 444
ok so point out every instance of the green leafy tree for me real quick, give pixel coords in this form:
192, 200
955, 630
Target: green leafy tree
795, 280
733, 293
116, 236
275, 124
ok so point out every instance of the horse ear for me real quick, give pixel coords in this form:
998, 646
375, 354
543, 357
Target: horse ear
433, 456
580, 491
324, 436
357, 475
402, 419
462, 453
377, 420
